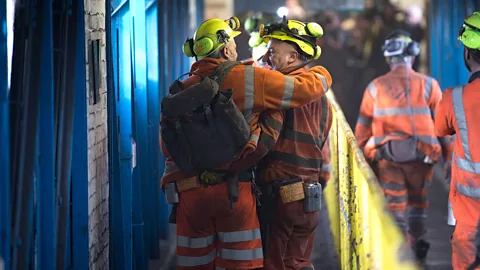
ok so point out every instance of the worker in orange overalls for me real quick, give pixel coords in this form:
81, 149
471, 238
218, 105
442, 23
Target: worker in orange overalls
296, 138
256, 44
395, 129
209, 232
458, 113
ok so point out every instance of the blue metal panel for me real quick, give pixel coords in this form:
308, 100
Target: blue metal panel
142, 195
124, 112
45, 180
163, 88
117, 249
79, 216
5, 139
446, 52
200, 12
153, 72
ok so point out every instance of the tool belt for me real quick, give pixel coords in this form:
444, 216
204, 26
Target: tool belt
210, 178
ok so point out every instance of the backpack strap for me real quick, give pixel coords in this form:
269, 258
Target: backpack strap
222, 71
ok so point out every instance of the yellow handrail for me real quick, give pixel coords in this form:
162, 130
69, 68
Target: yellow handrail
364, 231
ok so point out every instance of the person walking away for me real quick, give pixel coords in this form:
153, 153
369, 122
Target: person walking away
395, 130
458, 114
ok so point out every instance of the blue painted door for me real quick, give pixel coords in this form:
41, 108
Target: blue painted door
446, 52
121, 181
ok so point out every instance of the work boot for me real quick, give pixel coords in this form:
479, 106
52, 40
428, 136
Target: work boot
420, 249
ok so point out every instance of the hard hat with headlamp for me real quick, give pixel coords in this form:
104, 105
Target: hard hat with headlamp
302, 34
210, 36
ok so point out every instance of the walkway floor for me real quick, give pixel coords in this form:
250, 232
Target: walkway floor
439, 257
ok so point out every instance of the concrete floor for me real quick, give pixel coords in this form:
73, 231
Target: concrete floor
324, 257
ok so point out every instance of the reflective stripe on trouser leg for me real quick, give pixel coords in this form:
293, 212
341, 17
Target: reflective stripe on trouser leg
416, 221
190, 261
239, 243
240, 236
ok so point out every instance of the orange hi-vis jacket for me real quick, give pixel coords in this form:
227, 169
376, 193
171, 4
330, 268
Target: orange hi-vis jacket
292, 139
300, 136
385, 113
256, 90
459, 113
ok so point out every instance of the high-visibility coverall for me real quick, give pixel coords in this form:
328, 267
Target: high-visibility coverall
209, 233
297, 154
295, 137
459, 114
385, 115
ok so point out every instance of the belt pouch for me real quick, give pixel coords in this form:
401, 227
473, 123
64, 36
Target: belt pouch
291, 190
171, 193
187, 184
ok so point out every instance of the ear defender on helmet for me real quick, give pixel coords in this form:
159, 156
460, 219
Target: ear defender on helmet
470, 37
188, 47
314, 30
413, 48
255, 40
203, 46
318, 52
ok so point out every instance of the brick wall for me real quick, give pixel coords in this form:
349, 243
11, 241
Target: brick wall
97, 142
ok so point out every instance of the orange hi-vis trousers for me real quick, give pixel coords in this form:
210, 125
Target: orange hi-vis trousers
405, 184
210, 235
464, 250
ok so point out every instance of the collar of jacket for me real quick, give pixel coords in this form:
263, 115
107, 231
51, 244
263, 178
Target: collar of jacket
400, 68
208, 65
296, 72
474, 76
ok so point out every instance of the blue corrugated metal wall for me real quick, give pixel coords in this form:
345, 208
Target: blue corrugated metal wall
446, 52
5, 139
146, 46
45, 198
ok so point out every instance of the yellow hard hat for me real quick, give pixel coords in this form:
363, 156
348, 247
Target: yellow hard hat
210, 36
302, 34
470, 31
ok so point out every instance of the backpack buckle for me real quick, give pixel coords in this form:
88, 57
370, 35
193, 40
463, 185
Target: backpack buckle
210, 178
207, 110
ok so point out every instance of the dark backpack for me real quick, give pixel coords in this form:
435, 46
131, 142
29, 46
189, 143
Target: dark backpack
202, 128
